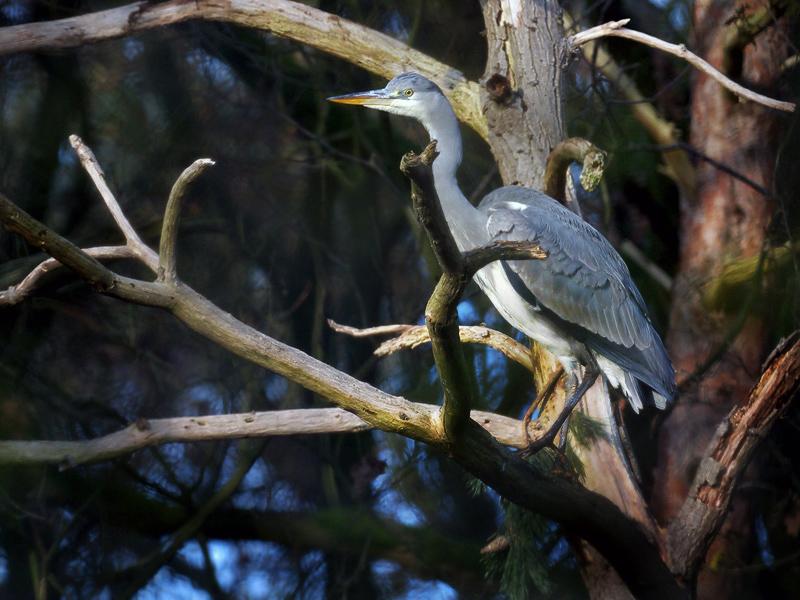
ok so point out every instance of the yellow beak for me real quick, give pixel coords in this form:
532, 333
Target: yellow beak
371, 98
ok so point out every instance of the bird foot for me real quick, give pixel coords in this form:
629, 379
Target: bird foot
561, 466
535, 446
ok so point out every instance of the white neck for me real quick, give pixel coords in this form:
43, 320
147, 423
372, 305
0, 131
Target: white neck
464, 219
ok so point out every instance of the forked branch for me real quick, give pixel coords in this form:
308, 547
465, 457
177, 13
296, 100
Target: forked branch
582, 513
457, 378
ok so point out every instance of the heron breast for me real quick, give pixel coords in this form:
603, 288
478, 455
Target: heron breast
520, 313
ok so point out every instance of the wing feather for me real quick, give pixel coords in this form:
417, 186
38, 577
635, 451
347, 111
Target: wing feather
583, 281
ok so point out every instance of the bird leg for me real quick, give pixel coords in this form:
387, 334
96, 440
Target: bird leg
589, 377
571, 386
541, 399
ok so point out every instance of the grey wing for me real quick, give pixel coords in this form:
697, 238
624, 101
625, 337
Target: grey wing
583, 281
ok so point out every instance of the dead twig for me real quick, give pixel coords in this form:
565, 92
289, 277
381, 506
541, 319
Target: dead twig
617, 29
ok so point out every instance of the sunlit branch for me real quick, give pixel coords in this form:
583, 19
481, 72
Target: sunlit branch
617, 29
145, 433
362, 46
413, 336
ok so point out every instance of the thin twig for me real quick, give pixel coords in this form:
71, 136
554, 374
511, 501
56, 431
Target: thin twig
413, 336
617, 29
371, 331
717, 165
678, 167
659, 275
17, 293
169, 229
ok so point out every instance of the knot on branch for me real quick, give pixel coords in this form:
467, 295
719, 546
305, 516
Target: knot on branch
499, 88
412, 164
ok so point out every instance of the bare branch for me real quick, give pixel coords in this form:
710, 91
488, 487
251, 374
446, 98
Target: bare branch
92, 167
441, 318
37, 234
370, 331
657, 274
582, 513
359, 45
476, 259
738, 436
615, 29
153, 432
428, 209
660, 130
169, 228
458, 380
17, 293
413, 336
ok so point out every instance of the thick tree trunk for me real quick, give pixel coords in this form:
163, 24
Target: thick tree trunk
522, 100
723, 220
522, 83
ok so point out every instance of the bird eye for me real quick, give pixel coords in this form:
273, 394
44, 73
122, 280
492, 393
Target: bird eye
408, 92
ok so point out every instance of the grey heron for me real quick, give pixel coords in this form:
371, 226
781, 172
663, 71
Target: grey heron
580, 303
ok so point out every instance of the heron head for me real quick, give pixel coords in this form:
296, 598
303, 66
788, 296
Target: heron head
409, 95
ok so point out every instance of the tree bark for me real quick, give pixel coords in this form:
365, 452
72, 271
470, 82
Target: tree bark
522, 100
723, 220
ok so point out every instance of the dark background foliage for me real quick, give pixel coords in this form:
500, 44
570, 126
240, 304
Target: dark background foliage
304, 217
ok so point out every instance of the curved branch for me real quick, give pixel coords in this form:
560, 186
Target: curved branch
573, 149
144, 433
413, 336
17, 293
663, 132
364, 47
167, 271
617, 29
